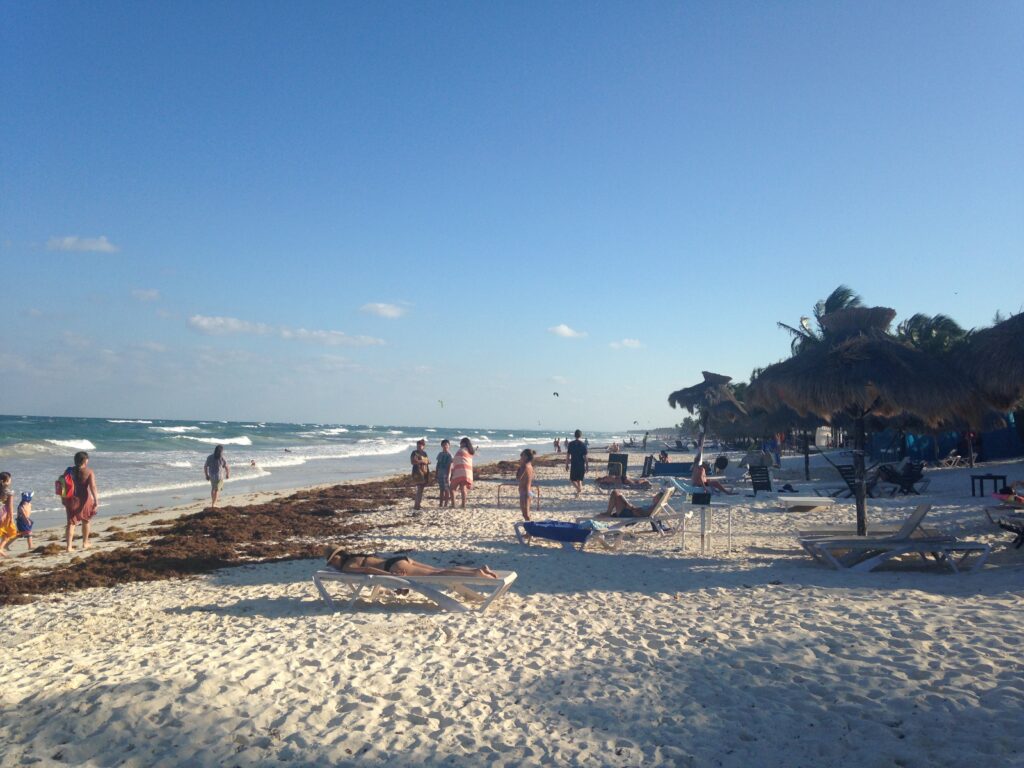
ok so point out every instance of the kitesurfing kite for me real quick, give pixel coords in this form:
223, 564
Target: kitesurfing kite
441, 403
555, 394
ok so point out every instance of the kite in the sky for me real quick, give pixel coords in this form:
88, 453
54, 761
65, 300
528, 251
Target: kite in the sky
441, 403
555, 394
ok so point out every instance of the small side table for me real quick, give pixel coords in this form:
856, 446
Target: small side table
978, 481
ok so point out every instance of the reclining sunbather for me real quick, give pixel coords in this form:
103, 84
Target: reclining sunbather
619, 507
619, 481
700, 479
354, 562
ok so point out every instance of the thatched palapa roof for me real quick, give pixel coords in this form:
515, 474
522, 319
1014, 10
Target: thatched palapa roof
713, 397
869, 372
994, 360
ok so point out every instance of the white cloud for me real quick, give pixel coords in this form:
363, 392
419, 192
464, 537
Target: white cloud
390, 311
626, 344
329, 338
232, 326
146, 294
226, 326
79, 244
566, 332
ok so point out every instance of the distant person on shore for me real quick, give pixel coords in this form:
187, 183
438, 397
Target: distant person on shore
420, 471
576, 462
400, 565
643, 444
8, 530
23, 520
525, 475
81, 506
462, 468
663, 457
558, 445
443, 467
216, 471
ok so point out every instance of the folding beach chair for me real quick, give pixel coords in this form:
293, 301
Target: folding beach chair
905, 481
618, 464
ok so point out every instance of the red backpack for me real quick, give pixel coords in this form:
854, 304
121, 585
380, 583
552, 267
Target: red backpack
65, 484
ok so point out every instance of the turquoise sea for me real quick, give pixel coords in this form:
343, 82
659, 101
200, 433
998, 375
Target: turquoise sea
148, 463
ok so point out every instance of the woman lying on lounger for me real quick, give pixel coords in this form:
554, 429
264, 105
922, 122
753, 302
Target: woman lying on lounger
700, 479
619, 507
350, 562
619, 481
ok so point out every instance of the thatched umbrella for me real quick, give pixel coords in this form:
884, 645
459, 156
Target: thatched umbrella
859, 369
713, 399
993, 358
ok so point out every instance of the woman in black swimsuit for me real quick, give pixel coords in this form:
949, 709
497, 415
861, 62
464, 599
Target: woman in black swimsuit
348, 562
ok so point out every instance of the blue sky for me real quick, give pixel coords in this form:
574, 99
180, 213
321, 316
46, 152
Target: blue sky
345, 212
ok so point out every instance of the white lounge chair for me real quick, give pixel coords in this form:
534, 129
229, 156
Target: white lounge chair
865, 553
478, 591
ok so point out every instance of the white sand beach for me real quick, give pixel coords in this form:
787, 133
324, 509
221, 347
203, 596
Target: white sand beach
657, 655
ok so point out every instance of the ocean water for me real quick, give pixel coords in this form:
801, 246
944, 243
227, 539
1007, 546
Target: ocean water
150, 463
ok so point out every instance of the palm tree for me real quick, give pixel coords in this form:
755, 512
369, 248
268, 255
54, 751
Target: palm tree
934, 334
808, 335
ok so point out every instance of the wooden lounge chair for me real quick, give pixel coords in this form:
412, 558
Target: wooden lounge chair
762, 482
951, 459
848, 490
1014, 524
469, 592
910, 480
865, 553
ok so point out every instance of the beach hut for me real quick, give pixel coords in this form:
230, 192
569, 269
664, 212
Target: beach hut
858, 369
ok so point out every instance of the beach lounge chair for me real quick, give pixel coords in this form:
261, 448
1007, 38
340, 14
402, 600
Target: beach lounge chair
449, 593
848, 474
905, 481
762, 481
865, 553
1013, 524
618, 463
672, 469
951, 459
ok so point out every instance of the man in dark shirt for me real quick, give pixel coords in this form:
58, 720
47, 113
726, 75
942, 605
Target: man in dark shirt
576, 462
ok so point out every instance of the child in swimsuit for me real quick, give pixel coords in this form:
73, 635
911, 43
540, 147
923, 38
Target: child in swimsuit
24, 517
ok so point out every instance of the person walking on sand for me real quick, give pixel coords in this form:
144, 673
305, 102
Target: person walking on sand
443, 468
8, 530
420, 471
216, 471
576, 462
525, 475
462, 469
23, 519
81, 506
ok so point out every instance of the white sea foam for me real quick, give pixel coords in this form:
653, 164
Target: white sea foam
128, 421
430, 430
395, 432
78, 445
179, 464
176, 430
243, 440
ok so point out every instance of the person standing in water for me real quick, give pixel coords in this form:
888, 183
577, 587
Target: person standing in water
216, 471
420, 471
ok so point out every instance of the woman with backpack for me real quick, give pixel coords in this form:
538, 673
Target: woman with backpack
81, 505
